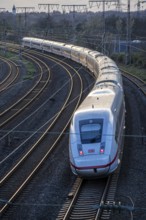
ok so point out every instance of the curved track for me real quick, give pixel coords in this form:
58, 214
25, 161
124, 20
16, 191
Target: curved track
8, 177
85, 201
137, 81
31, 95
12, 73
98, 205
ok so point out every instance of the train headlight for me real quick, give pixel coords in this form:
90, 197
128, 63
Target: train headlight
80, 150
102, 148
81, 153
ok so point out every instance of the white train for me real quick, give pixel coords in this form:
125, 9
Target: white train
97, 127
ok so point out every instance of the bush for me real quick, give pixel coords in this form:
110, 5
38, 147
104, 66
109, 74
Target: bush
118, 57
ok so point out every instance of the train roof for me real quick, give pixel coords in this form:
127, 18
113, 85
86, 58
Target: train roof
94, 54
103, 98
107, 77
55, 43
78, 48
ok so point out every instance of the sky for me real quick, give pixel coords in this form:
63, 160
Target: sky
8, 4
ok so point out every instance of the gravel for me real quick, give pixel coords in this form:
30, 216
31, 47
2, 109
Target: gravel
45, 195
48, 190
131, 189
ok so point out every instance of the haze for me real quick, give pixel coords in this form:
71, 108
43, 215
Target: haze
8, 4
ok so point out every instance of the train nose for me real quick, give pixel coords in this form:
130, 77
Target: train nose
92, 161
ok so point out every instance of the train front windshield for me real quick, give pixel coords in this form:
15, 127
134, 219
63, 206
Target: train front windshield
91, 131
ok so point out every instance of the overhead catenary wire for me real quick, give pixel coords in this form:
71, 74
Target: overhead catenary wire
13, 130
116, 206
34, 132
67, 133
56, 91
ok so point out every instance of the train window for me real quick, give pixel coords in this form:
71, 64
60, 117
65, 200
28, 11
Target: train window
67, 51
91, 131
36, 44
109, 66
107, 81
56, 48
46, 46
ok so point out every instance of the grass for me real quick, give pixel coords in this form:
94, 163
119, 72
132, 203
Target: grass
136, 71
30, 68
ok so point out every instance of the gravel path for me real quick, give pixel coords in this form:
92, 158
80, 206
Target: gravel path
131, 185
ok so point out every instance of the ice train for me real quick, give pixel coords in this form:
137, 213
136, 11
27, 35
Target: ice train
97, 129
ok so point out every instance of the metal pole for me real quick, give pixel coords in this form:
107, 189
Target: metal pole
25, 9
49, 6
49, 11
103, 38
74, 8
128, 47
104, 25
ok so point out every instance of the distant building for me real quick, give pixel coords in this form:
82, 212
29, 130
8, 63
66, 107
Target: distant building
14, 10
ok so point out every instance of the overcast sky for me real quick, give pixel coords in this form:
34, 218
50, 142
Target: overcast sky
8, 4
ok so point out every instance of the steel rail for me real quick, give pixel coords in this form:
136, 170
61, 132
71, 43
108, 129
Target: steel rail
9, 72
68, 96
141, 84
12, 75
40, 163
41, 84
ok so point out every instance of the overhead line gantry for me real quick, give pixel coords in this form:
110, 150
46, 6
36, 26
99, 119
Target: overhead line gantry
139, 5
2, 9
104, 3
74, 8
49, 6
25, 10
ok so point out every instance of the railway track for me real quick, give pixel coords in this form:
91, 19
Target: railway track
90, 199
21, 104
137, 81
48, 100
94, 209
84, 203
12, 181
11, 74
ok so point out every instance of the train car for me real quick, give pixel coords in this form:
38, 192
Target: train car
83, 56
57, 48
26, 42
106, 63
47, 46
75, 53
96, 132
36, 43
66, 50
91, 61
97, 127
